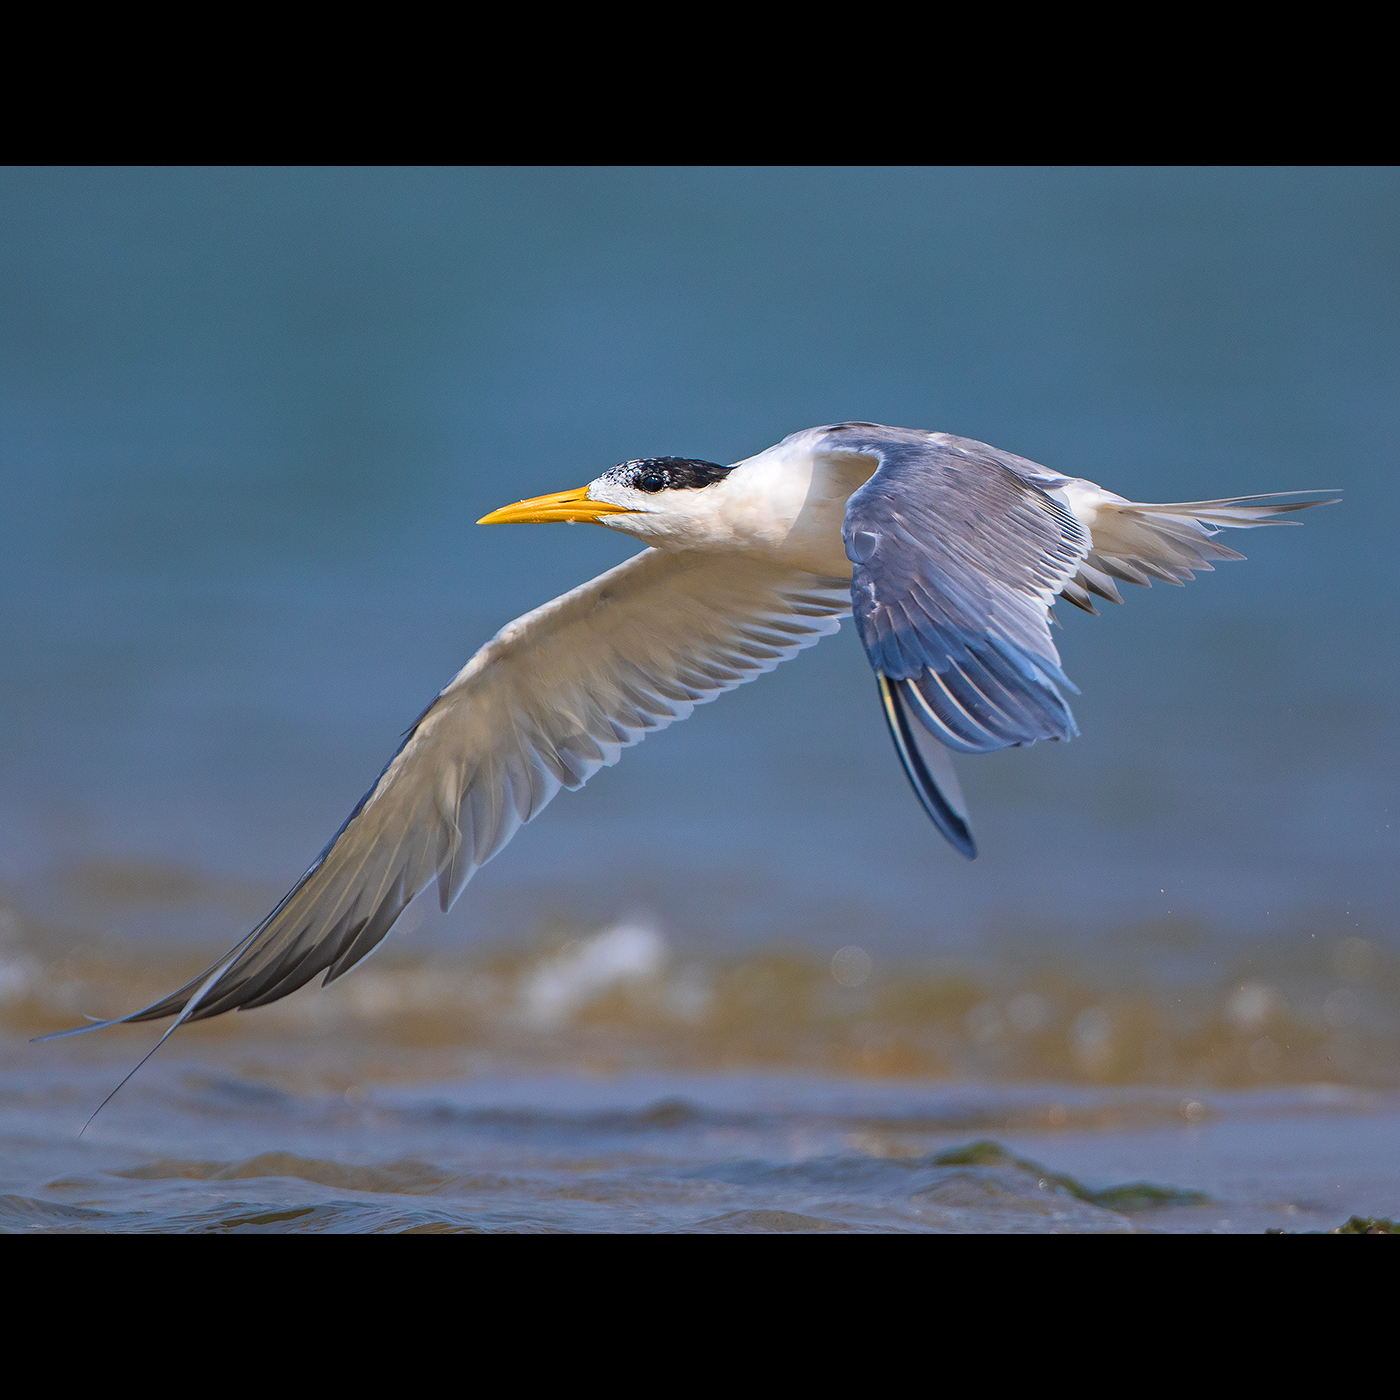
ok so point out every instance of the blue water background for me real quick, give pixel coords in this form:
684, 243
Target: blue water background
248, 418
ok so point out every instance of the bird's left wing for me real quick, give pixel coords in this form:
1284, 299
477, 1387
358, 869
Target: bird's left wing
553, 697
958, 558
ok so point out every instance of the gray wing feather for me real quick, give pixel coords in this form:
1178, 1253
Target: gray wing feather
958, 556
555, 696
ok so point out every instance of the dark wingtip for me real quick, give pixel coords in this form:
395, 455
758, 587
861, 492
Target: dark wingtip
967, 846
955, 830
958, 834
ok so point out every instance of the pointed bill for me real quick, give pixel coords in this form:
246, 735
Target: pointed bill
561, 505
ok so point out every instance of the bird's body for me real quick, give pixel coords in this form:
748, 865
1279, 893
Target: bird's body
949, 552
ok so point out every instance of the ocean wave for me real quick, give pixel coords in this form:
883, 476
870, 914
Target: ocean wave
625, 998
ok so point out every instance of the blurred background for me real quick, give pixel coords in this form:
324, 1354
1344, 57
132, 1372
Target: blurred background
247, 421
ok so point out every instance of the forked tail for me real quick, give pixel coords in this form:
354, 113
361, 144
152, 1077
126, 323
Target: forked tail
1136, 543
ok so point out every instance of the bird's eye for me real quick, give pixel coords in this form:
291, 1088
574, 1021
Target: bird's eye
651, 481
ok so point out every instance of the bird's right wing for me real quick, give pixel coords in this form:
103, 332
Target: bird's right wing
958, 558
553, 697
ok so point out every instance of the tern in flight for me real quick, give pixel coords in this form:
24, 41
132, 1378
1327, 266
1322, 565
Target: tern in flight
948, 552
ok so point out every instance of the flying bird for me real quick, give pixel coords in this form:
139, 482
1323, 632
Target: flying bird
948, 553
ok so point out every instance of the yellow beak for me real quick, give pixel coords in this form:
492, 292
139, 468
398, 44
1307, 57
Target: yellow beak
562, 505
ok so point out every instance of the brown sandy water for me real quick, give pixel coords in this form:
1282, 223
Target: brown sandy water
609, 1082
1133, 1010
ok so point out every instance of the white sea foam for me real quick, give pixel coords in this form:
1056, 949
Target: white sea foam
583, 970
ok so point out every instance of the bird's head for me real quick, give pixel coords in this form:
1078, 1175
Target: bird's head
658, 499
